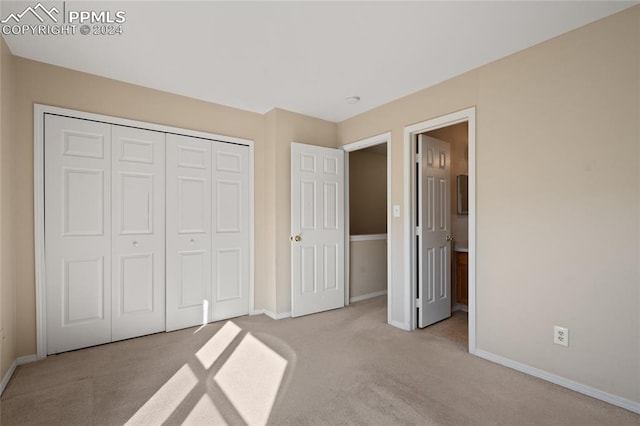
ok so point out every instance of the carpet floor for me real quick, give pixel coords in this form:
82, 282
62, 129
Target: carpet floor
335, 368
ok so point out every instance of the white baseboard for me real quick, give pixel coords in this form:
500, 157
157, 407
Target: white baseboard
279, 316
460, 307
559, 380
272, 315
400, 325
7, 377
12, 369
26, 359
367, 237
367, 296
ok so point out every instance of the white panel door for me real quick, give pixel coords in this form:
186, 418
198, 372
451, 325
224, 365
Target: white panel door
137, 173
230, 254
188, 231
317, 229
77, 233
434, 260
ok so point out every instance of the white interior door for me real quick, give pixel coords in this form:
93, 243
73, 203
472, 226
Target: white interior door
77, 233
188, 231
230, 254
137, 171
317, 229
434, 224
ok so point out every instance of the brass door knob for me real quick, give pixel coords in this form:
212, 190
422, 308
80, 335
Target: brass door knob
297, 238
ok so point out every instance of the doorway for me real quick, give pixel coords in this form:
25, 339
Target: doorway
434, 127
452, 325
368, 219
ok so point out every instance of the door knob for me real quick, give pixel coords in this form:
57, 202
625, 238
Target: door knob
449, 238
297, 238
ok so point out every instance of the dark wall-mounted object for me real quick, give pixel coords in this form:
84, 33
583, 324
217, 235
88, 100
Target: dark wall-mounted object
463, 194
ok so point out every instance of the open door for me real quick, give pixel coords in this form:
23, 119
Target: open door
434, 229
317, 229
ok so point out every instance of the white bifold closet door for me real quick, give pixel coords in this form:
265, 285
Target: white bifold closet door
207, 231
77, 233
137, 205
144, 232
188, 231
230, 254
104, 232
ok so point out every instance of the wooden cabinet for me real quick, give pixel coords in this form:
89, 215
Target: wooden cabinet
462, 277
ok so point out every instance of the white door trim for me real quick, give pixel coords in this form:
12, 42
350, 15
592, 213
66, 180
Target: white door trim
39, 112
410, 132
355, 146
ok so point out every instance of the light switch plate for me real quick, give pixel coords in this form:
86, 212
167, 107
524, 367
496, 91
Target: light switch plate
396, 210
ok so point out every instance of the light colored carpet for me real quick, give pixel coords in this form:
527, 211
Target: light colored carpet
341, 367
454, 329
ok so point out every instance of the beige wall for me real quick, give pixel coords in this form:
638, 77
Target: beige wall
7, 276
270, 214
291, 127
558, 199
458, 138
367, 193
368, 267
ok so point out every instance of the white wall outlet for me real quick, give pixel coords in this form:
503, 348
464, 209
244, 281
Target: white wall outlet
560, 335
396, 210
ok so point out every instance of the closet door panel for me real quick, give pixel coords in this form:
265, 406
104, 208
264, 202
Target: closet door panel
144, 232
138, 237
188, 231
230, 272
77, 233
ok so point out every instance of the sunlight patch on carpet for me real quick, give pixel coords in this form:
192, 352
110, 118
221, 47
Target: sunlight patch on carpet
250, 379
210, 351
247, 383
164, 402
204, 413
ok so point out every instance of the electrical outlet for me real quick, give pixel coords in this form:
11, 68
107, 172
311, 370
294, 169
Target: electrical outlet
560, 335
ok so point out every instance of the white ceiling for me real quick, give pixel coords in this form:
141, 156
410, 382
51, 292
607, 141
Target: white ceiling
305, 57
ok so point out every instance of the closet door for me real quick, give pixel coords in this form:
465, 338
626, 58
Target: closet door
77, 233
230, 255
188, 231
138, 240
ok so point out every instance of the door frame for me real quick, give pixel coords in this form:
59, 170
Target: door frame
410, 134
39, 112
383, 138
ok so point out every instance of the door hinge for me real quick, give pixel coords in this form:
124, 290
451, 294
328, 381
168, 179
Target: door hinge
418, 231
418, 302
